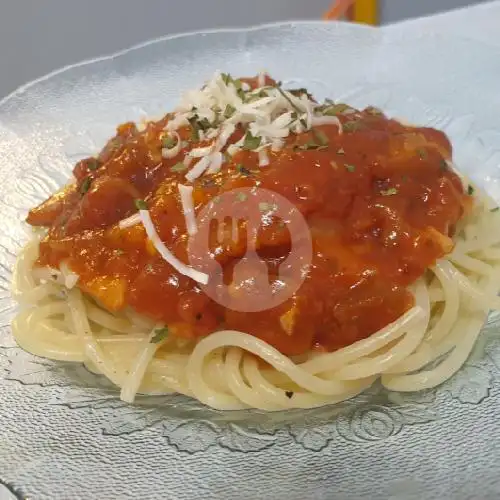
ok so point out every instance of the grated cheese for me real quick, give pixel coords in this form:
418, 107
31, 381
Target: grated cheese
167, 255
186, 194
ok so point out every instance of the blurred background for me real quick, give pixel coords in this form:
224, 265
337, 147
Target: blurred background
39, 36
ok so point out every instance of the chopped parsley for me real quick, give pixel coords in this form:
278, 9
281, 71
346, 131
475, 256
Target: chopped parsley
179, 167
256, 96
372, 110
243, 170
280, 90
350, 168
334, 109
195, 129
443, 166
495, 209
92, 164
85, 185
422, 153
308, 146
160, 335
351, 126
299, 92
241, 94
226, 78
204, 124
167, 141
229, 111
289, 394
250, 143
140, 204
389, 192
470, 189
320, 137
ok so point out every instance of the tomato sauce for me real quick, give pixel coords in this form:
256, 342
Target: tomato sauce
380, 201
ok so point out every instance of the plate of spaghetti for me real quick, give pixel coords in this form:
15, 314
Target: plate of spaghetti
390, 268
247, 256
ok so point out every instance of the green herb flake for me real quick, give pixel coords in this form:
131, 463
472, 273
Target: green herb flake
341, 151
140, 204
350, 168
160, 335
179, 167
303, 123
229, 111
167, 141
334, 109
389, 192
243, 170
351, 126
85, 186
204, 124
495, 209
298, 92
470, 189
320, 137
226, 78
422, 153
372, 110
443, 166
195, 131
250, 143
280, 90
310, 146
241, 94
93, 164
289, 394
241, 196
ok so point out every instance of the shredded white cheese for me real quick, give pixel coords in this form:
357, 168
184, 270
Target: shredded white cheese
186, 194
198, 168
129, 221
263, 158
327, 120
182, 268
215, 163
175, 150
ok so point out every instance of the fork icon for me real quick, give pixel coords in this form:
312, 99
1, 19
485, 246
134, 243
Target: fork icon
250, 274
228, 243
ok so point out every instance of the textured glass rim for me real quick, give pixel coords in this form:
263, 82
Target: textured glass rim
185, 34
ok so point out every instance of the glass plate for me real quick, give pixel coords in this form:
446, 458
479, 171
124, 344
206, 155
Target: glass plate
64, 432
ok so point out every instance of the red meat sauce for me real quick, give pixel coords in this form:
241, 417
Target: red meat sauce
379, 199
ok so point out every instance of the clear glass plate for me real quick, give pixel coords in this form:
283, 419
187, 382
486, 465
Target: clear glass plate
64, 433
